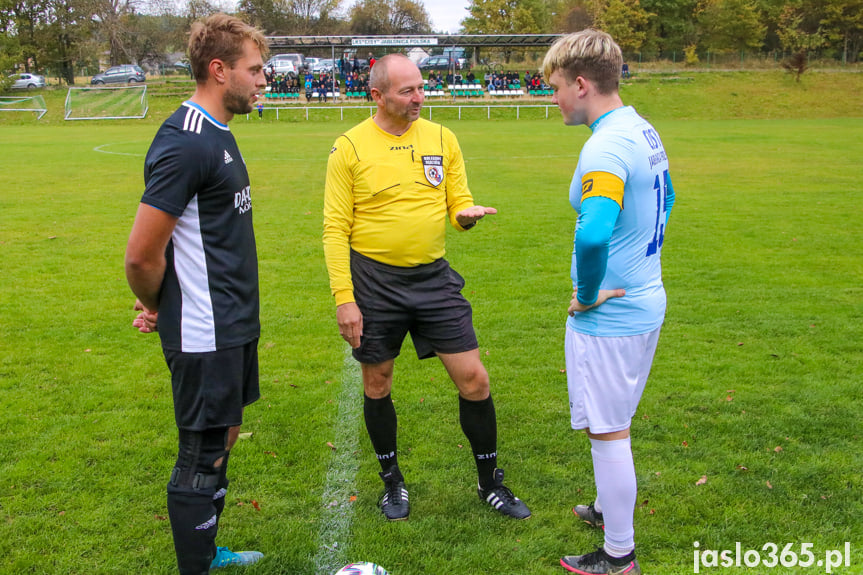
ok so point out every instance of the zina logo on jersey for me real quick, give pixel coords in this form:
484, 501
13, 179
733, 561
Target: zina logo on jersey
243, 200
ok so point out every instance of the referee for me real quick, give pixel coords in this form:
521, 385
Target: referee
391, 182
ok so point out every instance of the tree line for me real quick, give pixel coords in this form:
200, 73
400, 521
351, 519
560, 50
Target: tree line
825, 28
63, 37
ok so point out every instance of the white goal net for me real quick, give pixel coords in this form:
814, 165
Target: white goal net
24, 104
106, 103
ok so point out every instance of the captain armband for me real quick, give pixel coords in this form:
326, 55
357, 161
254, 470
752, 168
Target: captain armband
604, 185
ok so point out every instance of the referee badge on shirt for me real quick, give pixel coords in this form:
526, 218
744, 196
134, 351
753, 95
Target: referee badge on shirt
433, 166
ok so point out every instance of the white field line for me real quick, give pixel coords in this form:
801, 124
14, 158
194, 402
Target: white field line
338, 511
101, 151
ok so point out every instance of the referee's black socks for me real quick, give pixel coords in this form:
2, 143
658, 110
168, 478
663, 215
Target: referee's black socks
479, 423
381, 423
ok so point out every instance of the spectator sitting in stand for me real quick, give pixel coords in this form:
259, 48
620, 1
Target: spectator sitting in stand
365, 88
322, 88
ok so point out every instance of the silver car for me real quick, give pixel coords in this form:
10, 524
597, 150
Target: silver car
27, 81
323, 65
125, 74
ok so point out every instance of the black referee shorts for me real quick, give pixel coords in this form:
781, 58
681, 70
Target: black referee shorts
211, 388
424, 300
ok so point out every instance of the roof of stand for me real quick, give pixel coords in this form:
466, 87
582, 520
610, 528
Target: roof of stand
278, 43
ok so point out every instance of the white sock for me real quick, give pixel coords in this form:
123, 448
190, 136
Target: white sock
614, 473
596, 506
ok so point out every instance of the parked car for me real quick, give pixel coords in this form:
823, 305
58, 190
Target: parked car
458, 55
311, 61
281, 66
439, 63
297, 60
125, 74
27, 81
323, 65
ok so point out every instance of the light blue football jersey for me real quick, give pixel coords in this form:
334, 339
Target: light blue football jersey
626, 145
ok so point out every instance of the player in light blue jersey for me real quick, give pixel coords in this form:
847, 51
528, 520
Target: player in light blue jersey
623, 195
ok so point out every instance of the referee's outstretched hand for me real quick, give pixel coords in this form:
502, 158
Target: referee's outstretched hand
468, 217
350, 320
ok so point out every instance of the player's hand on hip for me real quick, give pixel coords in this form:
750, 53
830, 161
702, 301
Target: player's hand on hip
350, 320
147, 321
603, 296
472, 215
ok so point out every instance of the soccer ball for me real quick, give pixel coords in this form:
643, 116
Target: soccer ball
362, 568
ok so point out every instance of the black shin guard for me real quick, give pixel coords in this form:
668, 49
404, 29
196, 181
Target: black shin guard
219, 496
479, 424
192, 506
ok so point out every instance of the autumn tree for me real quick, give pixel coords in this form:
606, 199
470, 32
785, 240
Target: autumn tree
22, 20
370, 17
312, 16
626, 21
571, 16
10, 47
271, 16
61, 34
730, 25
671, 26
111, 20
507, 17
843, 27
799, 30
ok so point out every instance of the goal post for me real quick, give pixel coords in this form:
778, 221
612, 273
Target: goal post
24, 104
107, 103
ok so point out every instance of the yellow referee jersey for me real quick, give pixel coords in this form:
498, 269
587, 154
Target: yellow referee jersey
387, 197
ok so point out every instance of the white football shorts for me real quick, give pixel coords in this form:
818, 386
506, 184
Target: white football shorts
606, 377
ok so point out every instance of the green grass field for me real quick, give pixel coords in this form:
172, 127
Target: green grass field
756, 383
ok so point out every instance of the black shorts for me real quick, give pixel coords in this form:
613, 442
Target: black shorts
424, 300
211, 388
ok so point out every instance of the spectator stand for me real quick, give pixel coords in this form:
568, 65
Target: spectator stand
272, 93
379, 45
434, 90
461, 88
512, 90
541, 92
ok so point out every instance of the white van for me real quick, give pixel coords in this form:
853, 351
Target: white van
282, 62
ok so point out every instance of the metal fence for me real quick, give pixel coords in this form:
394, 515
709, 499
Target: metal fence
293, 110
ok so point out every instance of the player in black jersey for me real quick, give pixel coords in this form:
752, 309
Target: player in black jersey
192, 263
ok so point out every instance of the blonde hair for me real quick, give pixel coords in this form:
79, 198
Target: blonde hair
220, 36
590, 53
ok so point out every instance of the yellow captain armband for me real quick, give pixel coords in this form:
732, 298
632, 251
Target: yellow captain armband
602, 184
